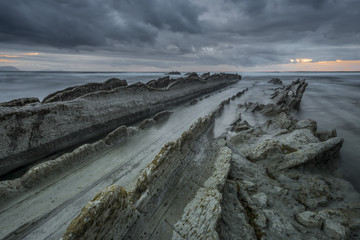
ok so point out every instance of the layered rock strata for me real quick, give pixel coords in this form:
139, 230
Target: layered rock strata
283, 180
79, 114
191, 168
49, 169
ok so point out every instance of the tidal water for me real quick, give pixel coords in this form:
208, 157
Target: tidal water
331, 98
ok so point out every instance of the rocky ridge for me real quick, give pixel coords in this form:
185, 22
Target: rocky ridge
155, 207
79, 114
283, 180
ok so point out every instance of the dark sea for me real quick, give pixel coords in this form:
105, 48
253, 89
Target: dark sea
332, 99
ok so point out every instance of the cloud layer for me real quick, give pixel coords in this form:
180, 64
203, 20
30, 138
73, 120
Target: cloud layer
241, 33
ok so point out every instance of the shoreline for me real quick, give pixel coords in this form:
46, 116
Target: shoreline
275, 168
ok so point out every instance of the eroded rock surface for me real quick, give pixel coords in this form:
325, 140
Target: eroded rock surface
156, 208
79, 114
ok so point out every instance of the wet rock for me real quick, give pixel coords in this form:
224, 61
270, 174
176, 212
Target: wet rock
173, 73
147, 123
335, 230
162, 116
309, 219
78, 114
205, 75
159, 83
260, 199
19, 102
325, 135
78, 91
275, 81
193, 75
265, 150
307, 123
193, 102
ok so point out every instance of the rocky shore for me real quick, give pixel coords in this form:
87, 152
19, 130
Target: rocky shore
273, 179
31, 130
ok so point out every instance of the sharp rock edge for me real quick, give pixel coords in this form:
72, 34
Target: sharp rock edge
76, 115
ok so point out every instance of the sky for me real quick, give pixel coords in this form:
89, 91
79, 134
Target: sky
183, 35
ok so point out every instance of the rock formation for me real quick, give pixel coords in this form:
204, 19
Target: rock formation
156, 207
78, 114
275, 81
274, 180
173, 73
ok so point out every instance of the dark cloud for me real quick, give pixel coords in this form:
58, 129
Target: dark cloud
68, 24
233, 32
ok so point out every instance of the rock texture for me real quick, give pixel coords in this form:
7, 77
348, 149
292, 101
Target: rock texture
19, 102
275, 81
79, 114
283, 181
156, 207
285, 99
78, 91
40, 172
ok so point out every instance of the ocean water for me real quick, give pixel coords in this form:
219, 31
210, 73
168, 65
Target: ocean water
332, 99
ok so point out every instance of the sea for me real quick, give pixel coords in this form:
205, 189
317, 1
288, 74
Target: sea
331, 98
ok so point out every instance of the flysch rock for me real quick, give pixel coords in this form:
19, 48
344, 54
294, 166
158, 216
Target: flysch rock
19, 102
31, 132
285, 99
202, 214
40, 172
290, 188
182, 170
78, 91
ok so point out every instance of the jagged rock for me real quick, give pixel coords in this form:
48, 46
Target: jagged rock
309, 219
162, 116
173, 73
193, 75
260, 199
34, 131
78, 91
159, 83
205, 75
147, 123
193, 102
179, 187
335, 230
275, 81
307, 123
19, 102
325, 135
265, 150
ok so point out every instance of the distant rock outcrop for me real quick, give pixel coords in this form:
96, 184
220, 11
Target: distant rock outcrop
78, 91
173, 73
8, 69
275, 81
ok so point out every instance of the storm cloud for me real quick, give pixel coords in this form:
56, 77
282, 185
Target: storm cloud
213, 32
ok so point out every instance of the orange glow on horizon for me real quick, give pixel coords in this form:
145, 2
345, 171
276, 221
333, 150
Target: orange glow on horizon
8, 56
5, 61
31, 54
338, 65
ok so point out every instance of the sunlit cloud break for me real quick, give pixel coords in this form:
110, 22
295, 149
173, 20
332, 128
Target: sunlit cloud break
301, 60
19, 55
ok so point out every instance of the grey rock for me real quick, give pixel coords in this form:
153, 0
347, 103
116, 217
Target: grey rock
19, 102
335, 230
78, 91
309, 219
275, 81
78, 114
